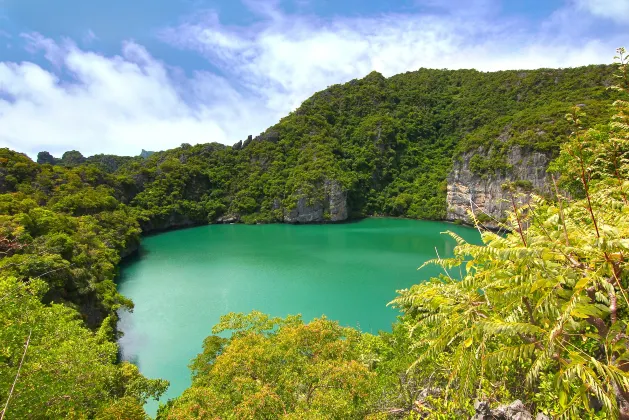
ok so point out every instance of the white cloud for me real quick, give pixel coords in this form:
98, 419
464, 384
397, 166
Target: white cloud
115, 104
617, 10
52, 51
291, 57
124, 103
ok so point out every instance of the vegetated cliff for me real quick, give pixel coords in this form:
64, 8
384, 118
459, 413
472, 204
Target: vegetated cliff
371, 146
333, 206
483, 192
514, 150
376, 146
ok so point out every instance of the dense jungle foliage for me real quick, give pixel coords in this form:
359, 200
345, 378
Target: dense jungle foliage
555, 340
389, 143
540, 314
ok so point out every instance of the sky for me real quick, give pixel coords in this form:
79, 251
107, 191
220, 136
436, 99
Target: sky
119, 76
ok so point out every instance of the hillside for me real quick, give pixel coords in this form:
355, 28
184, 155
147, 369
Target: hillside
414, 145
373, 146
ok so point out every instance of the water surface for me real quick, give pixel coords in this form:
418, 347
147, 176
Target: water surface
183, 281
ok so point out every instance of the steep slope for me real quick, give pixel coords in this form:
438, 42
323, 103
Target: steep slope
380, 146
482, 191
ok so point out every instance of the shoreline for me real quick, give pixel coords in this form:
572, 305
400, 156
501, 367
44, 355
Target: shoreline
133, 252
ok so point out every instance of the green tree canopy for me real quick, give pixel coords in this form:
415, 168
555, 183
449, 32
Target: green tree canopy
276, 368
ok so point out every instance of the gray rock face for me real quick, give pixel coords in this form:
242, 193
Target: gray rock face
306, 211
333, 207
228, 218
482, 408
145, 154
514, 411
485, 192
336, 201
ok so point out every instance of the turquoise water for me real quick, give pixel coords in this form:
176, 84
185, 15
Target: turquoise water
183, 281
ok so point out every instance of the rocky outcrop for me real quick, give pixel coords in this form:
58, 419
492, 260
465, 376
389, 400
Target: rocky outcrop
228, 218
336, 198
484, 192
145, 154
483, 411
167, 222
514, 411
332, 208
305, 211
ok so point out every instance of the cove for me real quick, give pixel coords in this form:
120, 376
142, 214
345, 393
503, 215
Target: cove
183, 281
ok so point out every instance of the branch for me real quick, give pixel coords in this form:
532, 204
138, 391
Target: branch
599, 324
532, 340
444, 268
613, 307
527, 302
517, 216
561, 215
4, 410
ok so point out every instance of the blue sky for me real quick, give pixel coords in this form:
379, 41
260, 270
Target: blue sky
117, 76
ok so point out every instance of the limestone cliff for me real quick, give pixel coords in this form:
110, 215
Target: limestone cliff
332, 208
484, 192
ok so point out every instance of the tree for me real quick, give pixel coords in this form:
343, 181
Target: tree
45, 158
58, 367
542, 312
72, 158
276, 368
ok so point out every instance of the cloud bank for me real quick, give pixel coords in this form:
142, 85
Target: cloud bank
617, 10
121, 104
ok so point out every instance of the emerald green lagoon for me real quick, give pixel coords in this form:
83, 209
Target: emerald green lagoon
183, 281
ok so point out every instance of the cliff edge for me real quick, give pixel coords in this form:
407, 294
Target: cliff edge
469, 188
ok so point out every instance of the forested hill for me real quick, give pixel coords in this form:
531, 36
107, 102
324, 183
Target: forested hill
370, 146
373, 146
